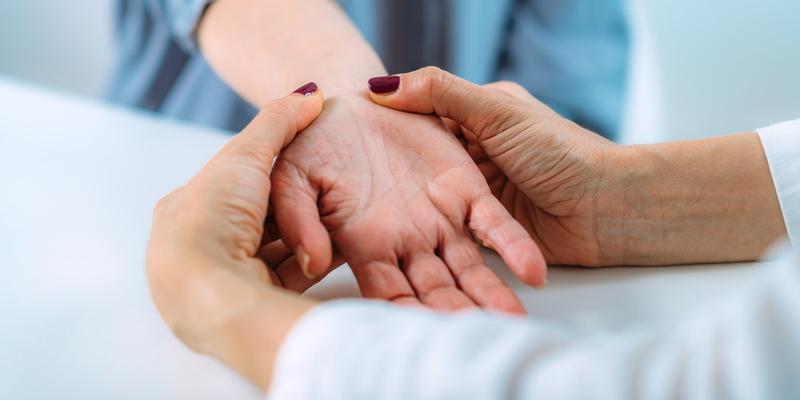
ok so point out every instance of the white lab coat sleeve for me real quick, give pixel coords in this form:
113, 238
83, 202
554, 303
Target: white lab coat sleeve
743, 346
782, 146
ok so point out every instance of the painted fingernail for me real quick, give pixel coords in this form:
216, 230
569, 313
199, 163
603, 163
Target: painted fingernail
308, 89
304, 260
384, 84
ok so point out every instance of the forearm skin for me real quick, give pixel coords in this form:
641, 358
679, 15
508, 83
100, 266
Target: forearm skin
266, 48
701, 201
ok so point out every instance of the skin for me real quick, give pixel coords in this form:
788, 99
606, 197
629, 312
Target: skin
429, 257
266, 48
211, 284
590, 202
401, 199
206, 277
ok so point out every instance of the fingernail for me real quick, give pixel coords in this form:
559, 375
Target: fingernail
384, 84
304, 260
307, 89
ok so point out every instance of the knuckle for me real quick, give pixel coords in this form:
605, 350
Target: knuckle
164, 204
255, 155
436, 78
278, 114
438, 85
431, 71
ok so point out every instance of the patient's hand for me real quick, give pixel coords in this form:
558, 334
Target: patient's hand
400, 199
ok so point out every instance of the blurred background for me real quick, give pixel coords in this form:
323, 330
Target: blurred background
79, 307
63, 44
698, 67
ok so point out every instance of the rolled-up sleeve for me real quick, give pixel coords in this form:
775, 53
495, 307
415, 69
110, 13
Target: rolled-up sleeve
182, 17
782, 146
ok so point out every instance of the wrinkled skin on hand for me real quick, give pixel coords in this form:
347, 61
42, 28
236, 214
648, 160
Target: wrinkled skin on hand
400, 199
563, 189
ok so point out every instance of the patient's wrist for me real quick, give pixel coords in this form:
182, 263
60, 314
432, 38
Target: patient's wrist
342, 79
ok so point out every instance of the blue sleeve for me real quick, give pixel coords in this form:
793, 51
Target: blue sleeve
182, 17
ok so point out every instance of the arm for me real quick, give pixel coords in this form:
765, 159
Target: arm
745, 345
209, 281
363, 180
705, 200
264, 48
592, 202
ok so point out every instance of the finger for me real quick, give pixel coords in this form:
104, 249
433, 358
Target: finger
455, 129
297, 216
434, 284
452, 126
411, 302
432, 90
383, 280
273, 278
491, 223
271, 233
476, 279
275, 253
292, 277
274, 127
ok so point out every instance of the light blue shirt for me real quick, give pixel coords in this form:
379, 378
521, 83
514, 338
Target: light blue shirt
571, 54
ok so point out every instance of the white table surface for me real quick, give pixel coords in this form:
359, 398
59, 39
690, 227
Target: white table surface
78, 180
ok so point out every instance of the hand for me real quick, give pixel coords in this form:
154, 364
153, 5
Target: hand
400, 200
205, 275
556, 178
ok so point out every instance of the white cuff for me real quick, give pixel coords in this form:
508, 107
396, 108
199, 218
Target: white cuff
782, 146
310, 363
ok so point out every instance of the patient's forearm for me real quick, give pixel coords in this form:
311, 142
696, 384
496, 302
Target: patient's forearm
709, 200
267, 48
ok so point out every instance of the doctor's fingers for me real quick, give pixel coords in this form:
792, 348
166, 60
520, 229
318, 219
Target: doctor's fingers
485, 111
273, 128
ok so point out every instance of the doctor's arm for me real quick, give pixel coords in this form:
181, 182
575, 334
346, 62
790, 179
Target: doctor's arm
589, 201
217, 296
741, 344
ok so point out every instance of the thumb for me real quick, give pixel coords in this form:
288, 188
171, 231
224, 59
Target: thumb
276, 125
483, 111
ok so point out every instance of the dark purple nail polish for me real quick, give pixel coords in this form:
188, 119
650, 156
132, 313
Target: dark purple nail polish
384, 84
307, 89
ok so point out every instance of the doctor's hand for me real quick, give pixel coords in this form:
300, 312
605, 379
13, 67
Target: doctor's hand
553, 176
204, 268
588, 201
401, 200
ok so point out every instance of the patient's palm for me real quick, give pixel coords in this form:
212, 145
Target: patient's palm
400, 199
